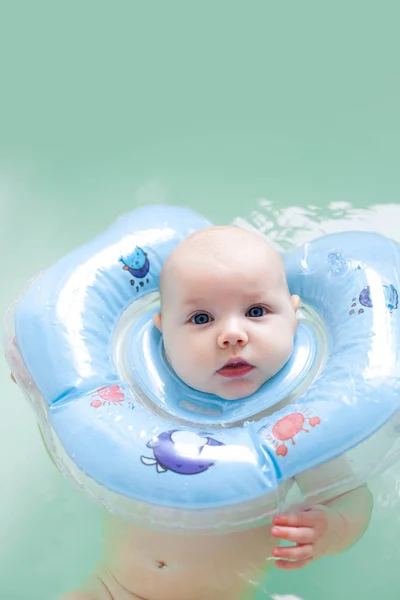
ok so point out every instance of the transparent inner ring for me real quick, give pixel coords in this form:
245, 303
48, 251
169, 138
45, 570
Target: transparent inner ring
126, 371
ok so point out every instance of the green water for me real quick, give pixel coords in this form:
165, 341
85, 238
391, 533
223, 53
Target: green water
104, 106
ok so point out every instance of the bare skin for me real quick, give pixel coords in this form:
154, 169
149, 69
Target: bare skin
228, 323
151, 565
225, 299
142, 565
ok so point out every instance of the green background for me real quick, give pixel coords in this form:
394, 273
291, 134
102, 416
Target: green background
107, 105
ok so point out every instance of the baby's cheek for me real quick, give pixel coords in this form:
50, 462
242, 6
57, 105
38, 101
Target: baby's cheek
173, 351
186, 354
196, 360
279, 346
285, 348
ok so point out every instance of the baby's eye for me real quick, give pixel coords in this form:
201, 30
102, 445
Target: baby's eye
201, 319
256, 311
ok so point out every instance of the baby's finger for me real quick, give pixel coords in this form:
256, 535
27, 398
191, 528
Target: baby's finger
304, 518
299, 535
302, 552
289, 565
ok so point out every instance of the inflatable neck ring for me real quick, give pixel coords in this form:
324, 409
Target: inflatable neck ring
121, 425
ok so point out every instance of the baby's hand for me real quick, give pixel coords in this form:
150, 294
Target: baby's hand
314, 532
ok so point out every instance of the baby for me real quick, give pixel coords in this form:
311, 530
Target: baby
228, 323
227, 318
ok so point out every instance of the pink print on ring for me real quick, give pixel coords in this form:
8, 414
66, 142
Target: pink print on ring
111, 395
287, 428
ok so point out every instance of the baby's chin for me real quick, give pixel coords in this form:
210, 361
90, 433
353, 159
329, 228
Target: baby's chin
237, 390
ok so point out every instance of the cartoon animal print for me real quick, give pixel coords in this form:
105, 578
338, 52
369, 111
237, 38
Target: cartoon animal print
111, 395
287, 428
138, 265
339, 264
180, 451
365, 299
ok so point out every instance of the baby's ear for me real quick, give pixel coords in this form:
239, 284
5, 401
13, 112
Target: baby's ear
295, 302
157, 321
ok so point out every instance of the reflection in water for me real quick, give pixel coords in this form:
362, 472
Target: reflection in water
290, 226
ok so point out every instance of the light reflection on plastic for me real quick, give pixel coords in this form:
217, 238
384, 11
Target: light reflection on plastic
382, 355
188, 443
231, 454
149, 362
71, 303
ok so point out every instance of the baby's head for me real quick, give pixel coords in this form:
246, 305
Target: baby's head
227, 317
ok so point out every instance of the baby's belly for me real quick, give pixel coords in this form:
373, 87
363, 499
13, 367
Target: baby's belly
159, 566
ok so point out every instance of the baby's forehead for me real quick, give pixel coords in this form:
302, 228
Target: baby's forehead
221, 253
220, 235
223, 243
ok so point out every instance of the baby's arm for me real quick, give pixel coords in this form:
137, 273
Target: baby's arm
329, 527
355, 510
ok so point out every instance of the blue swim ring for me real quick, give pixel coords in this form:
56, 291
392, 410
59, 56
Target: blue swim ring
121, 425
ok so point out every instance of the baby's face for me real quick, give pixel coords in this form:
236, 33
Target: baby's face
228, 320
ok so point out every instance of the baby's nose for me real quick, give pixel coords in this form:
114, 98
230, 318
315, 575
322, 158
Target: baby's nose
231, 335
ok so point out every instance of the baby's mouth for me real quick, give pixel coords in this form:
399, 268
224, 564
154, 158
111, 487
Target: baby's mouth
237, 367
